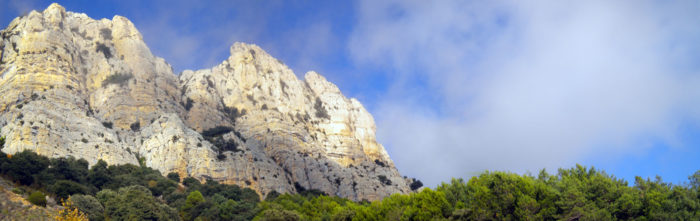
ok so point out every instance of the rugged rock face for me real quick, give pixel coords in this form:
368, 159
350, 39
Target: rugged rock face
89, 88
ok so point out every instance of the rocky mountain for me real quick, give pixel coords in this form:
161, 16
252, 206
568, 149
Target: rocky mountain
72, 85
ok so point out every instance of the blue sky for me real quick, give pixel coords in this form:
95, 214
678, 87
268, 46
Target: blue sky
459, 87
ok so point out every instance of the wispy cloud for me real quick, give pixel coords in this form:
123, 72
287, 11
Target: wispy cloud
193, 36
521, 86
12, 8
310, 44
22, 7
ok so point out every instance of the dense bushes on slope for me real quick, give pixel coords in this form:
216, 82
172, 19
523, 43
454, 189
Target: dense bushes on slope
124, 192
138, 192
578, 193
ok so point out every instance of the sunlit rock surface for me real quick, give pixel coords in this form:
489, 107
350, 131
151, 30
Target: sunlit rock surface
88, 88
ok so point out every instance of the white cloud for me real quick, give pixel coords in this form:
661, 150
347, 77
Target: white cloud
520, 85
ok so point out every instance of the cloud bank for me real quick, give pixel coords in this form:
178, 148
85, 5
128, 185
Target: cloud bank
521, 86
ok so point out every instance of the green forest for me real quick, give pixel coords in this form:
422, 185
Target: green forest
131, 192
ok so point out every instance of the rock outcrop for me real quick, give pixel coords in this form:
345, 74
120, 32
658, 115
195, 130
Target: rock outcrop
88, 88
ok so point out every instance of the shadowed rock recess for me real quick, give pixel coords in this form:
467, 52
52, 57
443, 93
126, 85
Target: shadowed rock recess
75, 86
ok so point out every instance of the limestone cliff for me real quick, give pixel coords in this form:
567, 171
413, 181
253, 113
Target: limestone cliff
73, 85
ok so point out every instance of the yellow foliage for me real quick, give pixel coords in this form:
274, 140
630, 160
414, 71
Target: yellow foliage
68, 213
152, 183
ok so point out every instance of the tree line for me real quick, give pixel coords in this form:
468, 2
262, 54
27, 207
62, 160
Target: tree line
131, 192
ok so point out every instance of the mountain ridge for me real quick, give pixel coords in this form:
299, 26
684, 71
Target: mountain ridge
92, 89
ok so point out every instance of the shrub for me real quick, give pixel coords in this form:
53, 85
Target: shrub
384, 180
174, 176
193, 200
299, 188
67, 168
159, 185
188, 104
135, 126
279, 214
106, 33
223, 144
231, 113
320, 110
87, 204
104, 49
18, 190
313, 193
134, 203
44, 178
107, 124
380, 163
70, 213
118, 78
272, 195
191, 182
232, 210
64, 188
416, 184
216, 131
99, 175
37, 198
23, 166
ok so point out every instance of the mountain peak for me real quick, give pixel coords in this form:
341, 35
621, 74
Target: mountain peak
124, 28
74, 86
319, 84
55, 8
241, 47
